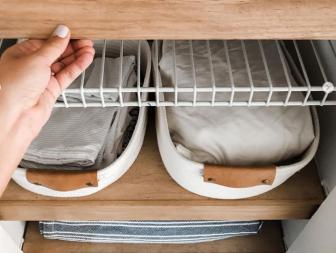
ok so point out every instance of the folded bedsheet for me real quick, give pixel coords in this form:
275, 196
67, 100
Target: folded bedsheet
146, 231
236, 136
81, 138
72, 137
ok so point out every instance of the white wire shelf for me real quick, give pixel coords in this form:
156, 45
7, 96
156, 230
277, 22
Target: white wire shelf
291, 55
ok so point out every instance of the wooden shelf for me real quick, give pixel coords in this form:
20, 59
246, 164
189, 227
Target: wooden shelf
146, 191
171, 19
269, 240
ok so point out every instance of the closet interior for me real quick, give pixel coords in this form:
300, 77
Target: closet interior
169, 128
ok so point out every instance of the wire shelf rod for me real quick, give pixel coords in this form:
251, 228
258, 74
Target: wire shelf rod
82, 91
213, 82
304, 71
101, 77
138, 74
201, 104
175, 74
193, 71
248, 69
157, 94
121, 99
285, 69
228, 61
198, 89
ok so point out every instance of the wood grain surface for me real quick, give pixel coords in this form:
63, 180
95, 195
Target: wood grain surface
171, 19
147, 192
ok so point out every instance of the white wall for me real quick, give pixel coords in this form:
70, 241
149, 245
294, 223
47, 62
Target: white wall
319, 235
291, 229
11, 236
326, 155
15, 230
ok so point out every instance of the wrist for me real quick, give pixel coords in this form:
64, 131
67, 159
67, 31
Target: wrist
13, 145
10, 111
8, 116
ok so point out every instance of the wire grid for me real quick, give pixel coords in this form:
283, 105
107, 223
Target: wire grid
323, 89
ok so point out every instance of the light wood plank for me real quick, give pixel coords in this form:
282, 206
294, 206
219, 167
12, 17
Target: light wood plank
146, 191
171, 19
269, 240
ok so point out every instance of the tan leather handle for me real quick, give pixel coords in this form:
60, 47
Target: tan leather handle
239, 177
62, 180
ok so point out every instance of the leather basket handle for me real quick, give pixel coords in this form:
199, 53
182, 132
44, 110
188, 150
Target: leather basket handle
239, 177
61, 180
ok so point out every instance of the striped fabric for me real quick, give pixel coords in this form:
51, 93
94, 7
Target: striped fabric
72, 138
89, 138
146, 231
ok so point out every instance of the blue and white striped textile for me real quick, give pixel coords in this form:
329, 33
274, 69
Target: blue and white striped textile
146, 231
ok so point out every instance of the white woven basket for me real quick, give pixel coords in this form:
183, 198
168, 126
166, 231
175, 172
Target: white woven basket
110, 174
189, 174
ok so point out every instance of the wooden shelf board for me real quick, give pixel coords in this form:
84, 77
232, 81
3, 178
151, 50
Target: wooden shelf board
269, 240
171, 19
147, 192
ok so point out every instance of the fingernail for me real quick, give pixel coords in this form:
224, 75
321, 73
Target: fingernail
61, 31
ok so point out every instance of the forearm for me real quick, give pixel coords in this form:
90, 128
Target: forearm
14, 141
28, 90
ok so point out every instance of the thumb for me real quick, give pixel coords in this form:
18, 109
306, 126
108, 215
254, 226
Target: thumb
55, 46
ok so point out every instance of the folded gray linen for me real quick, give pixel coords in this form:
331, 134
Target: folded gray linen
77, 138
116, 141
72, 137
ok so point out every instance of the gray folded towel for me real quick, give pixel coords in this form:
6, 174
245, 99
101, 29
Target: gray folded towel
76, 138
117, 139
72, 137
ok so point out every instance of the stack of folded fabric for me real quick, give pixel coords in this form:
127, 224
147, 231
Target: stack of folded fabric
146, 231
234, 136
85, 138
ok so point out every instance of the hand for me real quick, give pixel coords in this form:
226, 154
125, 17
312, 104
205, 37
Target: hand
32, 76
34, 73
